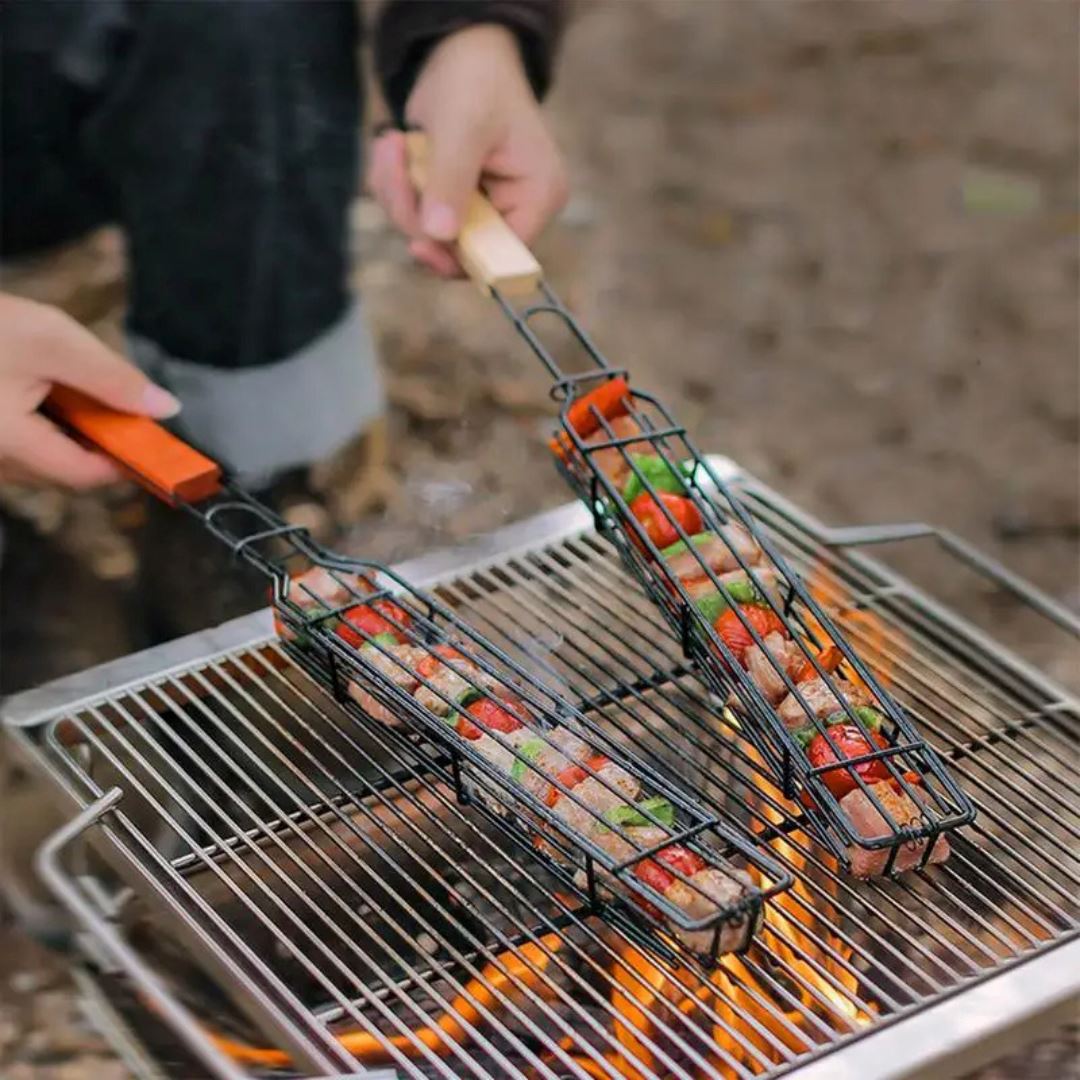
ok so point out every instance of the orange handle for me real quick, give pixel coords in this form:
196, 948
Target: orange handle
165, 465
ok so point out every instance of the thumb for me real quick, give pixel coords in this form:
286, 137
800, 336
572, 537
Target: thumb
455, 161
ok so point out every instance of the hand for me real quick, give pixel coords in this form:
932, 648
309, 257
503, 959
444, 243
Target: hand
484, 126
39, 346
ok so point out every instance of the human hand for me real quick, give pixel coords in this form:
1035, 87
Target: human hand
484, 126
39, 346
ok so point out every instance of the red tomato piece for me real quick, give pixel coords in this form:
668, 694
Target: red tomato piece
682, 859
382, 617
573, 775
651, 873
736, 636
435, 659
851, 743
491, 714
653, 519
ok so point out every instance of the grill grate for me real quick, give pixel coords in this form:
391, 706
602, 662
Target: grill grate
319, 874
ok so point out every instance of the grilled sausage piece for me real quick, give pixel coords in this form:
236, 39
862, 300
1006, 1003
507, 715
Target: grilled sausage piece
398, 663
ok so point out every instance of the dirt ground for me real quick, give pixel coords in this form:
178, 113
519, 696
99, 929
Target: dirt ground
839, 239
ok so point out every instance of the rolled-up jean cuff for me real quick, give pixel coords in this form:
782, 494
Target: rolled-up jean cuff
259, 421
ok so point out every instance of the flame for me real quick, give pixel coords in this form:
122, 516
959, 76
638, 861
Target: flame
868, 628
750, 1032
513, 969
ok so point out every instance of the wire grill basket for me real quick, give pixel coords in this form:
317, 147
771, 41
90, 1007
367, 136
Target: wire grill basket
614, 442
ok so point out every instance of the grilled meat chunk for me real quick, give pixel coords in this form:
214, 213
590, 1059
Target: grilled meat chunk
821, 701
320, 590
614, 462
716, 550
786, 655
870, 824
449, 676
709, 890
398, 663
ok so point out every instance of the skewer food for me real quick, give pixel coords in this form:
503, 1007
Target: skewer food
726, 576
596, 801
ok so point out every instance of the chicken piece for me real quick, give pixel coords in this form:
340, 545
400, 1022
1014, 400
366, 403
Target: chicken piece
547, 761
620, 845
626, 785
571, 744
717, 552
718, 886
869, 823
320, 590
398, 664
821, 701
583, 812
614, 462
786, 655
499, 752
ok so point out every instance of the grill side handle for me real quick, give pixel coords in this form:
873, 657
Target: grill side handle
152, 456
49, 866
493, 255
971, 556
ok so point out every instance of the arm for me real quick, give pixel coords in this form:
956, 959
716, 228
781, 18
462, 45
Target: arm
39, 346
470, 73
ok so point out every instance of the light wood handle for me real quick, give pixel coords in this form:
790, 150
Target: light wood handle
163, 464
493, 255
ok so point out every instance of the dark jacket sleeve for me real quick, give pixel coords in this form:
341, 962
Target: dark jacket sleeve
407, 30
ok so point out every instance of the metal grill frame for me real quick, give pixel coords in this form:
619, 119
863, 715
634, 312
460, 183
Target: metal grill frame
1056, 963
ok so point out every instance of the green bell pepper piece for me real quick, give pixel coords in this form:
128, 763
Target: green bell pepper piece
466, 697
680, 545
385, 640
712, 605
625, 814
870, 717
527, 751
659, 473
805, 736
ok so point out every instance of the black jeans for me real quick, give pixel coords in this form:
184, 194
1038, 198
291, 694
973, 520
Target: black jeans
222, 136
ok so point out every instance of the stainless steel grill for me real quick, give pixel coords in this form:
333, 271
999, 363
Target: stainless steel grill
292, 891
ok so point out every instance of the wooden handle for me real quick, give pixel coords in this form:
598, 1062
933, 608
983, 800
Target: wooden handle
493, 255
165, 465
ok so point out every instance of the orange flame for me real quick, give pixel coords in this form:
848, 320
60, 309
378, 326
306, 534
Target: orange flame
525, 966
812, 967
865, 627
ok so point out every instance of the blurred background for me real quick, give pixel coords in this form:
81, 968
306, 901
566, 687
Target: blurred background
839, 239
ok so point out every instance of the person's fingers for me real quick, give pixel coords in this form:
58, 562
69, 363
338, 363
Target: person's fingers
39, 447
392, 185
530, 201
435, 257
455, 159
59, 350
